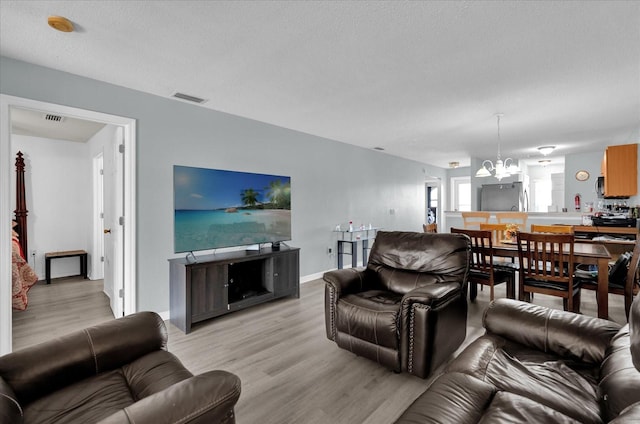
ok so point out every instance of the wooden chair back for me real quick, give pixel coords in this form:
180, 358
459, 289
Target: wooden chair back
497, 232
474, 219
430, 228
555, 229
546, 265
481, 249
631, 284
519, 218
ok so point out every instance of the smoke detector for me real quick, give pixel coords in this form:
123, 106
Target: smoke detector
60, 23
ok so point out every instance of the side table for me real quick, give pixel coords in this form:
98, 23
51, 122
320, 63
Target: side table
65, 254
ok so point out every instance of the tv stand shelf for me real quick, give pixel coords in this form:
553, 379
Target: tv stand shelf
218, 284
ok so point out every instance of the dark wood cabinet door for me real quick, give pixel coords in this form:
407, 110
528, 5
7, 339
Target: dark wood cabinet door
286, 275
208, 290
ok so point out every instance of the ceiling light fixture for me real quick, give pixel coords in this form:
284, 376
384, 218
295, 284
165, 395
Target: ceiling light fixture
60, 23
501, 169
454, 164
545, 150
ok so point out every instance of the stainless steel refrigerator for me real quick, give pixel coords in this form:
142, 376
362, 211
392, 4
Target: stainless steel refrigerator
504, 197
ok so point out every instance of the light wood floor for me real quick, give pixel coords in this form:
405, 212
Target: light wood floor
290, 372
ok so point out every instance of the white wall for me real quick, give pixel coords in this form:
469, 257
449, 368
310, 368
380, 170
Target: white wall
58, 195
332, 182
590, 162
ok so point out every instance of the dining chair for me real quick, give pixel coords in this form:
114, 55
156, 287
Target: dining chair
473, 219
482, 270
623, 277
498, 237
546, 267
519, 218
497, 232
555, 229
430, 228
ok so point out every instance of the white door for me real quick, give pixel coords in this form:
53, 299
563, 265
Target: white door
97, 258
113, 230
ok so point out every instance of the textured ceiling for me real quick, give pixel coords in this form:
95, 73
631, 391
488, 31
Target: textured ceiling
423, 80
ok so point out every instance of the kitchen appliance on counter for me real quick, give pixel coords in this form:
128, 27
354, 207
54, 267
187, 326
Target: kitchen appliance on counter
614, 220
504, 197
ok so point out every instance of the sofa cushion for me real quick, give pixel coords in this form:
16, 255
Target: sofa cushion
444, 257
452, 398
540, 377
619, 379
86, 401
100, 396
463, 399
565, 334
371, 316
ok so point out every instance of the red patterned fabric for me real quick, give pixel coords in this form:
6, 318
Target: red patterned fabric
22, 275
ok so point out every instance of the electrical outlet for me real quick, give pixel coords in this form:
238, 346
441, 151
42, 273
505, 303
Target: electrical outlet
329, 250
33, 253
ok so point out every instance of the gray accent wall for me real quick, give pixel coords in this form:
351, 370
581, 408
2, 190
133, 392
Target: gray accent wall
332, 182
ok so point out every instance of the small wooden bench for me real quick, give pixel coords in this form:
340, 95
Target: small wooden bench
66, 254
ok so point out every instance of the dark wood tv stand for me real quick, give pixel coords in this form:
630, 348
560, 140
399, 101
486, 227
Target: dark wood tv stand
218, 284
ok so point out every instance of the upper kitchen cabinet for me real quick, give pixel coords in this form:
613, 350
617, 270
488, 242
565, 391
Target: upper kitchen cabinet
620, 170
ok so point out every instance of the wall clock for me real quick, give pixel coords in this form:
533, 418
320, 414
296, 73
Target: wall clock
582, 175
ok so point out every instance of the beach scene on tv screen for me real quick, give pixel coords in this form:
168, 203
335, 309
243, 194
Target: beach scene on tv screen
218, 208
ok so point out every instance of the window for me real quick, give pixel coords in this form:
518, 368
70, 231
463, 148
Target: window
542, 195
461, 193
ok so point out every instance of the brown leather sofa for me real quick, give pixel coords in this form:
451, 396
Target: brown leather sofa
115, 372
407, 310
539, 365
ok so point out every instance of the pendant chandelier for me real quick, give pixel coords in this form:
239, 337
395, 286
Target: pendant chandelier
501, 169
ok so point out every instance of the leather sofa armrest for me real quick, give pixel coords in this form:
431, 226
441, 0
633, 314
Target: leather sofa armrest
208, 397
337, 284
563, 333
432, 293
345, 281
433, 324
46, 367
10, 410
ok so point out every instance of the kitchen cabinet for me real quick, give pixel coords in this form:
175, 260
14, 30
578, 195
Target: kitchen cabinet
620, 170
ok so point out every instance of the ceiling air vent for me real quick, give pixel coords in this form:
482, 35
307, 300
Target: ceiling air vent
53, 118
188, 98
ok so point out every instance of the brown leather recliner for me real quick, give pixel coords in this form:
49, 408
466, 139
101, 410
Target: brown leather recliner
407, 310
116, 372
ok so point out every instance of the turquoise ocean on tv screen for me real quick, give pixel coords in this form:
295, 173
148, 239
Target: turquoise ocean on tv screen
209, 229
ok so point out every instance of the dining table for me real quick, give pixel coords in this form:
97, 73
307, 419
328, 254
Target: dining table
583, 252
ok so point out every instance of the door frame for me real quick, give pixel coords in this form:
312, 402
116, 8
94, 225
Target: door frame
7, 167
97, 267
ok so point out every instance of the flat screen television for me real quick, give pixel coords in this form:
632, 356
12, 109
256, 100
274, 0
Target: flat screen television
216, 208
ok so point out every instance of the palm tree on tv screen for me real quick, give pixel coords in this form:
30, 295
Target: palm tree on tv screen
249, 197
279, 194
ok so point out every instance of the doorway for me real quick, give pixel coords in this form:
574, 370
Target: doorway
124, 251
433, 201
